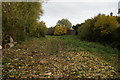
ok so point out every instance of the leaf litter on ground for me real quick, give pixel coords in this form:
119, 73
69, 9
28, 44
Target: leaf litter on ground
35, 61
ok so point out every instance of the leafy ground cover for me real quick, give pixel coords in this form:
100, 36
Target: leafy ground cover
60, 56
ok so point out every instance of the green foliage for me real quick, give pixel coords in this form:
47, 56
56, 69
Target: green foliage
51, 31
101, 28
115, 34
75, 27
86, 31
106, 24
118, 19
40, 30
19, 18
64, 22
60, 30
116, 38
44, 29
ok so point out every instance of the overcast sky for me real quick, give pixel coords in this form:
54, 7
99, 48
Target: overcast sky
76, 11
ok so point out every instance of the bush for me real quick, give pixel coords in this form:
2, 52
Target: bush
51, 31
118, 19
106, 24
116, 34
75, 27
22, 36
116, 38
99, 28
60, 30
103, 29
40, 30
86, 31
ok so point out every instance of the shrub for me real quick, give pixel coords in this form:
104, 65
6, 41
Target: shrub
106, 24
103, 29
86, 31
118, 19
40, 30
60, 30
51, 31
116, 34
75, 27
99, 28
116, 38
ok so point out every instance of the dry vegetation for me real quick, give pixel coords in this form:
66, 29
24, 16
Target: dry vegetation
57, 57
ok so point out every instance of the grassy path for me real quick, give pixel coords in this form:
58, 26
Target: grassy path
59, 56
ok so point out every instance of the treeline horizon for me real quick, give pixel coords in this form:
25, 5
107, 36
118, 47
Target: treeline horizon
20, 21
101, 28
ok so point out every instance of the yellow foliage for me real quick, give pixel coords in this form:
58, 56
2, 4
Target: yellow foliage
106, 24
11, 76
60, 30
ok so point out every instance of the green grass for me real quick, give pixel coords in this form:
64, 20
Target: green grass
73, 43
56, 50
69, 43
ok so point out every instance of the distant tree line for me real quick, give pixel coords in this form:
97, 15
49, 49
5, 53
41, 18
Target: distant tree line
20, 20
102, 28
60, 28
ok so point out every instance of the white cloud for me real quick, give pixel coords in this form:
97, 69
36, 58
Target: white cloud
76, 12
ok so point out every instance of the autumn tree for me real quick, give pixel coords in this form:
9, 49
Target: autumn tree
60, 30
75, 27
86, 30
101, 28
64, 23
51, 31
40, 30
106, 24
116, 38
19, 19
